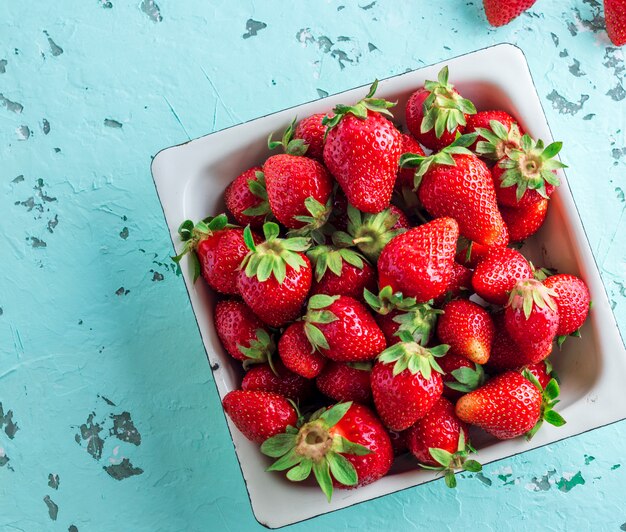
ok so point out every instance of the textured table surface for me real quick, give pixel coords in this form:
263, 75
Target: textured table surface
109, 419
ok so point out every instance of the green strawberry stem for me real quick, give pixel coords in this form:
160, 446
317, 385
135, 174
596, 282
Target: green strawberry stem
500, 140
260, 350
412, 356
290, 145
549, 397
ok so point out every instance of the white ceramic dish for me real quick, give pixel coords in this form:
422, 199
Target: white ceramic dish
191, 178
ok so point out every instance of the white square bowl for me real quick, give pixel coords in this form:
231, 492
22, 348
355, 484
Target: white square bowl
190, 180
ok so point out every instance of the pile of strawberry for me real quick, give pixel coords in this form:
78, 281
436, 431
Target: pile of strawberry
347, 292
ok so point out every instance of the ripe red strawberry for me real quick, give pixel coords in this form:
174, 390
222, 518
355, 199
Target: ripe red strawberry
523, 222
246, 198
243, 335
362, 151
498, 132
456, 183
501, 12
436, 112
531, 318
419, 263
460, 284
471, 253
219, 250
406, 176
496, 275
510, 405
259, 415
406, 382
277, 380
275, 276
572, 300
542, 371
346, 446
615, 16
461, 375
341, 329
468, 329
346, 381
297, 354
312, 131
298, 188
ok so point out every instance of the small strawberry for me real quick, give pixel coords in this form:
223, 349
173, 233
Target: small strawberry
275, 276
345, 446
542, 371
573, 301
456, 183
406, 176
498, 133
615, 16
506, 353
501, 12
419, 263
243, 335
468, 329
523, 222
259, 415
246, 198
496, 275
461, 375
471, 253
341, 329
362, 151
406, 382
510, 405
346, 381
436, 112
277, 379
296, 352
439, 441
460, 284
312, 131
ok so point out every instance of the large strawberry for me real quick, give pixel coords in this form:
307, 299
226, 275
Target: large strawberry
615, 17
246, 198
572, 298
312, 132
419, 263
496, 275
362, 151
259, 415
297, 354
498, 133
436, 112
501, 12
345, 446
277, 379
346, 381
456, 183
461, 375
275, 276
523, 222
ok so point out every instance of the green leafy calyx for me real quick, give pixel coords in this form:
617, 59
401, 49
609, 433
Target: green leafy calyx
317, 313
467, 379
549, 396
499, 140
315, 222
258, 189
290, 145
260, 349
411, 356
325, 258
530, 292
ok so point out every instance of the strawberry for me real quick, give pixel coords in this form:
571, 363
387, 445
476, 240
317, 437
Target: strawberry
527, 174
456, 183
346, 447
277, 379
468, 329
523, 222
461, 375
346, 381
419, 263
296, 352
219, 250
510, 405
246, 198
501, 12
573, 301
312, 131
460, 284
243, 335
498, 132
275, 276
362, 151
471, 253
542, 371
615, 16
406, 175
259, 415
406, 382
341, 329
496, 275
506, 353
436, 112
440, 441
531, 318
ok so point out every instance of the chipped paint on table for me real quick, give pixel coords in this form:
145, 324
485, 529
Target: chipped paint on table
108, 416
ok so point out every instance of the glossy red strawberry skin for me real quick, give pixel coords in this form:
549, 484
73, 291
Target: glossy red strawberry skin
363, 156
476, 254
312, 131
496, 275
342, 382
539, 371
523, 222
615, 16
285, 382
440, 428
465, 192
290, 180
468, 329
419, 263
236, 325
501, 12
482, 119
388, 326
572, 299
449, 363
296, 352
238, 198
275, 303
406, 176
506, 354
351, 282
507, 406
259, 415
460, 284
404, 398
506, 196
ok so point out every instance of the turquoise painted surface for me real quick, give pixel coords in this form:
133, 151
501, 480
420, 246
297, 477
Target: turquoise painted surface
109, 419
